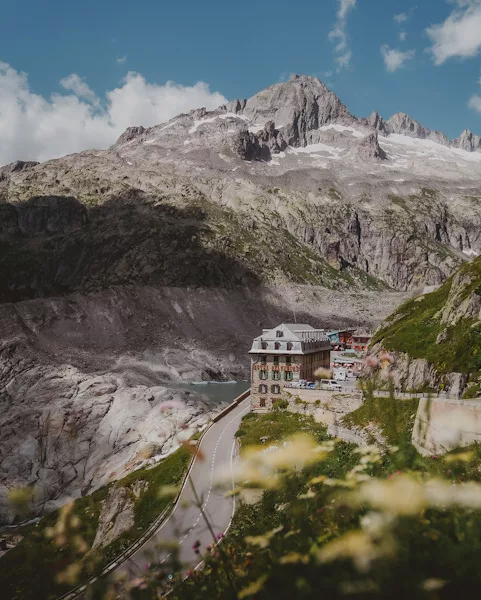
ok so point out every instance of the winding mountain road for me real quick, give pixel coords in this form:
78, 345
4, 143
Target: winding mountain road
185, 523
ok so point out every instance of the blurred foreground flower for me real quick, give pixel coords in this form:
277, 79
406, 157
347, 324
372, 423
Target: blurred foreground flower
171, 405
431, 585
260, 467
322, 373
359, 547
263, 540
294, 558
70, 574
193, 450
405, 495
386, 358
371, 361
460, 457
400, 496
19, 499
168, 491
254, 588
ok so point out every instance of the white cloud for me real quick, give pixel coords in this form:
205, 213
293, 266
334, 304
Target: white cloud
394, 59
121, 59
459, 35
76, 85
401, 18
338, 33
475, 103
33, 127
402, 36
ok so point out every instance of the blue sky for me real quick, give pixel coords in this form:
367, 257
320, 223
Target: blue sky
237, 49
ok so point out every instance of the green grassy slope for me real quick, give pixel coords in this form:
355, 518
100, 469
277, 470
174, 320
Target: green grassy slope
39, 558
414, 328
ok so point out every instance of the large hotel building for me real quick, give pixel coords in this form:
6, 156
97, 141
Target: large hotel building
287, 353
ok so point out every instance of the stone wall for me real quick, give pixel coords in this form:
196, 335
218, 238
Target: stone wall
442, 425
325, 406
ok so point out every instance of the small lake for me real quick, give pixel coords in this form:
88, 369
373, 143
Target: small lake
217, 392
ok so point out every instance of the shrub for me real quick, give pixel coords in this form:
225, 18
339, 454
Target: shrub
280, 405
472, 391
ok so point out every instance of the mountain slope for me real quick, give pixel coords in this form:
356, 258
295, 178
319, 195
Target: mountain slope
381, 202
157, 260
436, 337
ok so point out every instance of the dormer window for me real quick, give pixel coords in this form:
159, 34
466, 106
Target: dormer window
279, 333
289, 345
264, 345
277, 346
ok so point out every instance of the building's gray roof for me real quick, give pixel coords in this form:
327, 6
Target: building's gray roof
304, 339
298, 326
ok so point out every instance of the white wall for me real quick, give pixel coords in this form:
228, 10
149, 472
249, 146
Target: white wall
442, 425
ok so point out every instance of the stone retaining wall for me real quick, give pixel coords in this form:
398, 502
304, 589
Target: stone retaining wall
444, 424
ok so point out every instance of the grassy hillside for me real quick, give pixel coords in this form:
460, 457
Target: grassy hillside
40, 556
417, 328
311, 537
394, 418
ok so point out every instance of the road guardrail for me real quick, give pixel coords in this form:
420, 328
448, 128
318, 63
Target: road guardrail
346, 434
126, 554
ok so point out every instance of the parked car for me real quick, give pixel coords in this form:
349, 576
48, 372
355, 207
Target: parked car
329, 384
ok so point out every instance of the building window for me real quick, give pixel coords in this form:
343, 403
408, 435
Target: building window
288, 376
289, 345
262, 402
279, 333
276, 375
263, 388
288, 360
276, 389
263, 375
276, 360
277, 345
264, 345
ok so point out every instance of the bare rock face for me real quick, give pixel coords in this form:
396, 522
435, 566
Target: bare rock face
130, 134
66, 432
272, 138
407, 373
236, 106
468, 141
378, 123
15, 167
248, 147
88, 381
369, 148
298, 108
117, 515
403, 124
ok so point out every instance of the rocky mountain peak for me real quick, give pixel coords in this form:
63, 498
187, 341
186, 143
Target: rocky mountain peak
377, 122
131, 133
403, 124
468, 141
297, 107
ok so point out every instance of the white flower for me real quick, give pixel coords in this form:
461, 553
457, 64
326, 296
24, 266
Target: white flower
358, 546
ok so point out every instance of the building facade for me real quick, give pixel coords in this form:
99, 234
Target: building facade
285, 354
340, 338
360, 341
